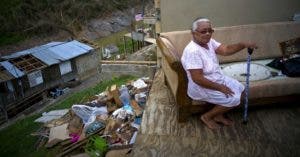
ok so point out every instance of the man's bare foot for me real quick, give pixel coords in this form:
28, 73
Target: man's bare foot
223, 120
209, 122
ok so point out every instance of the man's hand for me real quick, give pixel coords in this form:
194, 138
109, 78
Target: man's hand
226, 90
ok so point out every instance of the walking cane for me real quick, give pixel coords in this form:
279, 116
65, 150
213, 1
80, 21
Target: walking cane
245, 117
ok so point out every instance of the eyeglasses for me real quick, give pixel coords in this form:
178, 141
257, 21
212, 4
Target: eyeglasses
210, 31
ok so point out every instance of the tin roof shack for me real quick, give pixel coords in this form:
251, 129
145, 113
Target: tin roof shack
7, 90
68, 61
27, 75
20, 79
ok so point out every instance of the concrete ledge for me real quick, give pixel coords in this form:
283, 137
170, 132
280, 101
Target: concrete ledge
129, 62
109, 71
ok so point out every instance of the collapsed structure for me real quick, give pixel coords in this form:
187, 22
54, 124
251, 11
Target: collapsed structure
27, 76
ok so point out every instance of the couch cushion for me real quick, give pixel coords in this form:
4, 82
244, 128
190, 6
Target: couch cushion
274, 88
270, 88
267, 36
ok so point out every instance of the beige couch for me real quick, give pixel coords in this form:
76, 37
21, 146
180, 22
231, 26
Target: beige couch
267, 36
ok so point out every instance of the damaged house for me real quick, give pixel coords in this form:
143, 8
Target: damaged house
27, 76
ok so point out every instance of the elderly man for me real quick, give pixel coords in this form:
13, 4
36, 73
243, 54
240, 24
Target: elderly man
206, 80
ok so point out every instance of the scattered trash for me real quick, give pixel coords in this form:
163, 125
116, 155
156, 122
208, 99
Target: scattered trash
74, 137
93, 127
88, 114
133, 138
140, 98
56, 92
59, 132
139, 84
123, 113
108, 122
56, 114
124, 95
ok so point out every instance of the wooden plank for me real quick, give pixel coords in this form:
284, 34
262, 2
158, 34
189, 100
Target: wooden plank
271, 130
114, 91
28, 63
73, 146
170, 146
136, 108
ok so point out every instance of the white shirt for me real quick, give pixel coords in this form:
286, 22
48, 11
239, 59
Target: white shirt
196, 57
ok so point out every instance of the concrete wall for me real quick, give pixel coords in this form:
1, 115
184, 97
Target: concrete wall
179, 14
109, 71
87, 65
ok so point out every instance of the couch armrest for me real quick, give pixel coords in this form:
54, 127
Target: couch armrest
169, 63
175, 78
175, 75
168, 51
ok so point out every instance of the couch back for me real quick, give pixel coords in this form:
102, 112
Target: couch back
267, 36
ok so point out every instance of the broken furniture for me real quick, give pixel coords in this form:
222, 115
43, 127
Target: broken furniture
271, 89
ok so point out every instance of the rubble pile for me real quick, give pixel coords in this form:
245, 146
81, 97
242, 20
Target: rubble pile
107, 124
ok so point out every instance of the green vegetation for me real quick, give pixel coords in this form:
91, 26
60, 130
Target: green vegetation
8, 39
16, 139
114, 38
40, 17
118, 40
129, 45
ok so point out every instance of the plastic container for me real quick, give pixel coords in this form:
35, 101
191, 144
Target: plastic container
124, 95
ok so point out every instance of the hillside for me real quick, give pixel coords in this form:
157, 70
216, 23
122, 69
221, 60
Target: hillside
41, 21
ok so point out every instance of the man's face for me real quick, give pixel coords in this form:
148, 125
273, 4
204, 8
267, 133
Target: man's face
203, 33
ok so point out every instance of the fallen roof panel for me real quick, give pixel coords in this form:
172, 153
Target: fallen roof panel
5, 75
12, 69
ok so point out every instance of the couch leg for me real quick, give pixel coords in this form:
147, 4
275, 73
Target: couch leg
183, 115
182, 119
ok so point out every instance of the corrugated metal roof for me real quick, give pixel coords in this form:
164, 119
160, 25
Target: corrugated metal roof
47, 56
55, 52
62, 52
12, 69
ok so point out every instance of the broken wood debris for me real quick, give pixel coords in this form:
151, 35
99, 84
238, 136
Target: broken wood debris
107, 115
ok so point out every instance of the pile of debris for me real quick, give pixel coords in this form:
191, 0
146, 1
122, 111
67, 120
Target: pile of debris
106, 124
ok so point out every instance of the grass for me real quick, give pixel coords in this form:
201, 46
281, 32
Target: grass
16, 140
118, 40
113, 38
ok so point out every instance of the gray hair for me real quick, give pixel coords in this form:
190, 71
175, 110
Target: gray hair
195, 23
